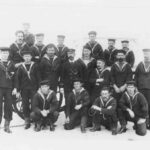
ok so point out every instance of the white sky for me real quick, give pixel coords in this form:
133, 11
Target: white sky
74, 18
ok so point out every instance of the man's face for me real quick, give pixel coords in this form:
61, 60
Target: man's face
131, 89
111, 44
45, 89
26, 27
120, 57
100, 64
77, 85
71, 55
4, 55
50, 51
27, 58
86, 52
60, 41
40, 39
19, 37
125, 45
105, 95
92, 37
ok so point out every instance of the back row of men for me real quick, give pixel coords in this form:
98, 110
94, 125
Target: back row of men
37, 71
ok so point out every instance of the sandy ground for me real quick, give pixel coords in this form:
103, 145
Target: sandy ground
22, 139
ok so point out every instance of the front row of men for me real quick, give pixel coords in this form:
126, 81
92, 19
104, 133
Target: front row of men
89, 102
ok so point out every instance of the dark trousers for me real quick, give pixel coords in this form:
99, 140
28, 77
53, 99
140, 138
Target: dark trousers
27, 95
77, 117
124, 117
6, 96
109, 121
50, 119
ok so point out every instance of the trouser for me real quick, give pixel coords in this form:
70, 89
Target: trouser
6, 96
77, 117
50, 119
109, 121
124, 117
146, 93
27, 96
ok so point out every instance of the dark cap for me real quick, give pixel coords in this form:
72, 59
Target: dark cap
113, 40
120, 51
4, 49
92, 32
39, 34
27, 52
45, 82
71, 50
125, 41
131, 83
77, 80
101, 59
61, 36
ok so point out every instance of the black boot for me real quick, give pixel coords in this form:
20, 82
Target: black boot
95, 128
27, 123
114, 131
38, 127
6, 126
122, 129
52, 127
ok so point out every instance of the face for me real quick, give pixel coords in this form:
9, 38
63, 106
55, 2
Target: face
100, 64
111, 44
50, 51
26, 27
4, 55
125, 45
19, 37
77, 85
60, 41
147, 57
131, 89
120, 57
105, 95
71, 55
27, 57
86, 52
92, 37
39, 39
45, 89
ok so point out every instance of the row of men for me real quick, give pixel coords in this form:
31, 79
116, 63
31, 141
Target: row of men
93, 72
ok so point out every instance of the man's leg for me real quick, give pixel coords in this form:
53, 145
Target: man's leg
1, 103
7, 109
26, 106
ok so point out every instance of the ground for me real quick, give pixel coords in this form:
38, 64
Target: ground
21, 139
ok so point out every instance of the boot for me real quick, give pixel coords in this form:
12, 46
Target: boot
122, 129
52, 127
27, 123
114, 131
95, 128
38, 127
6, 126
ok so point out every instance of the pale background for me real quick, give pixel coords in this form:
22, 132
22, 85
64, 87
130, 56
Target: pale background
121, 19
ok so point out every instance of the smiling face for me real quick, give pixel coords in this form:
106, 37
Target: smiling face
44, 89
4, 55
27, 58
100, 64
77, 85
86, 53
50, 51
131, 89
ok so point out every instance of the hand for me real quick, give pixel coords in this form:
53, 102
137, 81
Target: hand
141, 120
77, 107
123, 88
17, 95
37, 57
117, 90
17, 65
100, 80
44, 113
109, 107
67, 120
96, 108
14, 92
131, 113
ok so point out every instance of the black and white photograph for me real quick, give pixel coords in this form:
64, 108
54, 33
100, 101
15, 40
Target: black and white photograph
74, 74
